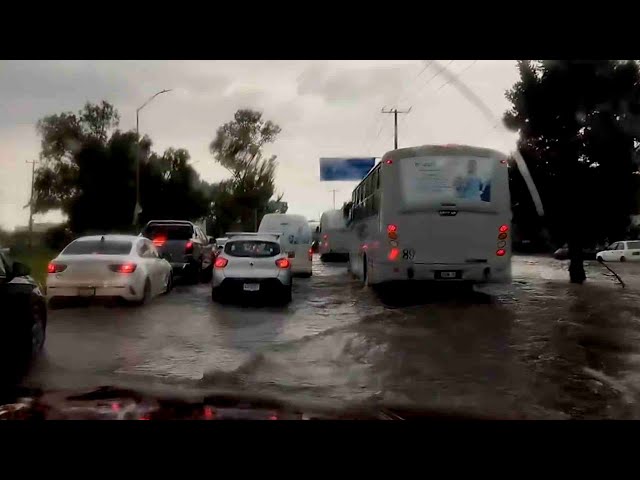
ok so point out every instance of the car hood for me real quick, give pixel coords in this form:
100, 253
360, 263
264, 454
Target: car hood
112, 403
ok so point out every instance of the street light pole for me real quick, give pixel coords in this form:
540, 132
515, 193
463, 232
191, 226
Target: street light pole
138, 208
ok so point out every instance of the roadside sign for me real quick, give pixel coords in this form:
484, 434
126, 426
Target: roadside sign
345, 168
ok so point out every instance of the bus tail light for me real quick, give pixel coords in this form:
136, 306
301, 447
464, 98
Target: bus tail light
503, 228
392, 231
501, 252
502, 236
311, 254
394, 253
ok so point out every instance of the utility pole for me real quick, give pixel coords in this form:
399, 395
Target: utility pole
334, 197
395, 112
33, 172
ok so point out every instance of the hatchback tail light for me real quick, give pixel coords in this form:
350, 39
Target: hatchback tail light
123, 267
56, 267
283, 263
188, 248
220, 262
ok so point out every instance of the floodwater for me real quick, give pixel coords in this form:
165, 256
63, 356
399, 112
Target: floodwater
538, 348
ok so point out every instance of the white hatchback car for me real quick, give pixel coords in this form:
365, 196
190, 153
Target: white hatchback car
122, 266
622, 251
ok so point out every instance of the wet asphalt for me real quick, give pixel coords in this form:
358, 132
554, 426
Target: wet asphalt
538, 348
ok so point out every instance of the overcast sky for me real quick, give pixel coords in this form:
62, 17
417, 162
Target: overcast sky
325, 109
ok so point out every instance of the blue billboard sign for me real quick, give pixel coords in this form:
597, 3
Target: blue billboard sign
335, 169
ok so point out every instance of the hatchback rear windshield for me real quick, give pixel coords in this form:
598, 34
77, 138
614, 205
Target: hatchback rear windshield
169, 232
106, 247
252, 248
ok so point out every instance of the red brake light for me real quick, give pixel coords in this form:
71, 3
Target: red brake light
220, 262
123, 267
56, 267
283, 263
503, 228
394, 254
188, 248
392, 228
501, 252
209, 413
388, 161
159, 241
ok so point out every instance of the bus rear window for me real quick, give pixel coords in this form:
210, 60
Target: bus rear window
438, 179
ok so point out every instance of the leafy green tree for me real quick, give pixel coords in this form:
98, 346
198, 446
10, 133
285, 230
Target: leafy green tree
577, 122
238, 146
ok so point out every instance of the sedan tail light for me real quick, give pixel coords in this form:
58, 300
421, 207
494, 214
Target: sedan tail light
56, 267
188, 248
283, 263
123, 267
220, 262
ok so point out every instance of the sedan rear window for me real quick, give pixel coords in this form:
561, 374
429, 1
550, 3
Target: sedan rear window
169, 232
252, 248
106, 247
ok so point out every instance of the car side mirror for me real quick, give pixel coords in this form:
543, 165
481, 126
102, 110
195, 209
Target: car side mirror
19, 269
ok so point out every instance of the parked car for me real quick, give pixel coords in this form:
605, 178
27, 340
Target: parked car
252, 264
189, 250
24, 316
628, 250
123, 266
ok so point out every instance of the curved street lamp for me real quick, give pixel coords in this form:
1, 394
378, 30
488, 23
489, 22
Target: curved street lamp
138, 208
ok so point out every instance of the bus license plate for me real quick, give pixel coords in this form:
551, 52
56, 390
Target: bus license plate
86, 291
448, 275
251, 287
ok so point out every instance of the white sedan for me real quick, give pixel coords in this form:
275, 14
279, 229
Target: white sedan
621, 252
121, 266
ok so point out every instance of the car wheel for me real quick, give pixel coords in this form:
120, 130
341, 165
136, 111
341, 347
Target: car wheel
216, 295
365, 273
146, 293
622, 259
169, 283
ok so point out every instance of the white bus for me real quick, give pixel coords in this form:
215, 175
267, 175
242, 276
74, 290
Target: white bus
439, 213
295, 239
334, 236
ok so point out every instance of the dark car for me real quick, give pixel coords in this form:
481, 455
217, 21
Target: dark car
184, 245
23, 319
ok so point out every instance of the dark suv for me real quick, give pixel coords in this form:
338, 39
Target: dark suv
187, 248
24, 318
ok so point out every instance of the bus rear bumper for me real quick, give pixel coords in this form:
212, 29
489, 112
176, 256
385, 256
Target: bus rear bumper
441, 273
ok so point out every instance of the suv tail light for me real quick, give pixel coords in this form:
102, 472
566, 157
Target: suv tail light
123, 267
159, 241
220, 262
56, 267
283, 263
188, 248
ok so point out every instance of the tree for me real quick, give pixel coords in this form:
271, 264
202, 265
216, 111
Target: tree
238, 146
577, 122
88, 171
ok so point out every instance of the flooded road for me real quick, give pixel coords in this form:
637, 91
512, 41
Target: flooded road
538, 348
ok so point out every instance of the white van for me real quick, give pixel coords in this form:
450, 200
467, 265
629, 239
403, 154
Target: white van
334, 236
295, 239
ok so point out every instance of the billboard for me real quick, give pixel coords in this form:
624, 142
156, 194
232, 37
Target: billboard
345, 168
